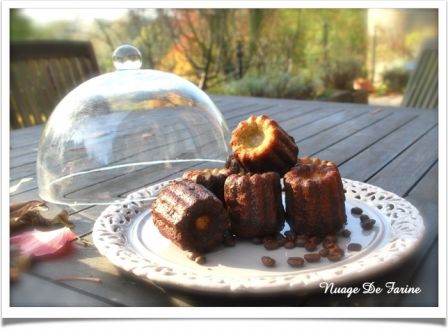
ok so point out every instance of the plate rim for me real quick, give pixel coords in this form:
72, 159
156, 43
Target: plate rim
406, 226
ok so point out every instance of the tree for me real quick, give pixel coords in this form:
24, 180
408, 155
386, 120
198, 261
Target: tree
21, 27
204, 39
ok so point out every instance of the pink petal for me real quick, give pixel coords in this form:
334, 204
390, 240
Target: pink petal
38, 243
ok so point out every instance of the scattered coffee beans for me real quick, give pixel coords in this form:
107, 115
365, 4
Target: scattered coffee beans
315, 240
335, 253
354, 247
268, 261
330, 239
281, 240
271, 245
192, 255
323, 252
295, 261
334, 257
356, 210
336, 250
329, 245
310, 246
346, 233
312, 257
367, 224
364, 217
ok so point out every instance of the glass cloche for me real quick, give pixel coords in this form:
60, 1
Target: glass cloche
125, 130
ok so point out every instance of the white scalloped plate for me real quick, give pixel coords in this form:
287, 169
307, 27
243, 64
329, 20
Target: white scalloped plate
125, 234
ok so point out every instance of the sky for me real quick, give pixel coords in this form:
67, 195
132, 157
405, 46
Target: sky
43, 16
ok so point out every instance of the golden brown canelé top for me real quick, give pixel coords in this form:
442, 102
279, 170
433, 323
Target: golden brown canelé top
207, 173
261, 145
312, 169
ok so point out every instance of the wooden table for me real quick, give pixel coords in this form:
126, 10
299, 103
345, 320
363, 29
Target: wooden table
394, 148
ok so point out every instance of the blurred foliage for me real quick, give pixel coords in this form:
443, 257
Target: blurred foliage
395, 79
293, 53
283, 85
21, 27
340, 73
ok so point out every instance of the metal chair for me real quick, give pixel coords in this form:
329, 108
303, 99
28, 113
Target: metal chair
422, 88
42, 73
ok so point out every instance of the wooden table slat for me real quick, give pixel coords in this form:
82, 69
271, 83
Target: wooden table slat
32, 291
406, 169
346, 149
371, 160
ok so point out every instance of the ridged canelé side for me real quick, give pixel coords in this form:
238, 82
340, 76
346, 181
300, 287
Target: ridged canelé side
177, 209
314, 196
254, 204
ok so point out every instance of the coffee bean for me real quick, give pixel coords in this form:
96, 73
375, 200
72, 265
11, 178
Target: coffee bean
281, 240
346, 233
295, 261
271, 245
290, 236
356, 210
367, 224
256, 240
364, 217
334, 257
268, 261
310, 246
315, 240
323, 252
330, 239
329, 245
192, 255
336, 250
200, 260
289, 245
312, 257
354, 247
301, 241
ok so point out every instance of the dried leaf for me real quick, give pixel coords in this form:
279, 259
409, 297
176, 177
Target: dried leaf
63, 219
40, 243
17, 210
27, 215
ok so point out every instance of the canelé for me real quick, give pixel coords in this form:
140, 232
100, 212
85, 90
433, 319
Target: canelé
254, 204
190, 216
261, 145
212, 179
314, 197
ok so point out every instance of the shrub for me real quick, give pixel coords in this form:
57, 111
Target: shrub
341, 73
284, 85
396, 79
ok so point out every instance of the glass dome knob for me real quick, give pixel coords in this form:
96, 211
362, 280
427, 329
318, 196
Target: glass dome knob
127, 57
